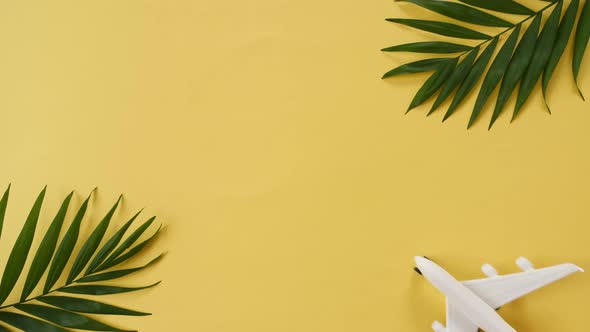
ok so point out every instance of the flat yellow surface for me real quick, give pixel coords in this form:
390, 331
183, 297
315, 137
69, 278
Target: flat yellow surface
294, 190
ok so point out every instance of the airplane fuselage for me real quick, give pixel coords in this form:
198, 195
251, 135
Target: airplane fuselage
472, 306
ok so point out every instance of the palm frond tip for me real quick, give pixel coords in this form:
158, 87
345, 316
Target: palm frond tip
519, 63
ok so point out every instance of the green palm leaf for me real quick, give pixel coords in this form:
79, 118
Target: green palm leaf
517, 66
88, 306
420, 66
110, 245
429, 47
502, 6
495, 73
461, 12
474, 76
118, 273
3, 204
131, 240
102, 289
581, 42
119, 259
541, 55
52, 312
433, 84
66, 318
66, 247
441, 28
458, 75
92, 243
563, 36
46, 249
20, 250
27, 323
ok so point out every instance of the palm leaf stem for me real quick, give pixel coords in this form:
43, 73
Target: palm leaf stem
42, 295
67, 284
512, 27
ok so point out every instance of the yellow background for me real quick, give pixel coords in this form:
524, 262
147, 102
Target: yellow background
294, 190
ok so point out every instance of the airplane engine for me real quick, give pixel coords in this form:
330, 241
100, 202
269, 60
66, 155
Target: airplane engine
524, 264
438, 327
489, 270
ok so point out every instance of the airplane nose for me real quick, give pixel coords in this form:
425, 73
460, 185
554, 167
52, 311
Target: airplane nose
422, 262
419, 264
419, 260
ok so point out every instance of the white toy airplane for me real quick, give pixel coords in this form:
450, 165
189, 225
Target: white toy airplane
472, 304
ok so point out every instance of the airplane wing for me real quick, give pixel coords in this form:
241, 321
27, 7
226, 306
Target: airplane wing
457, 322
499, 290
